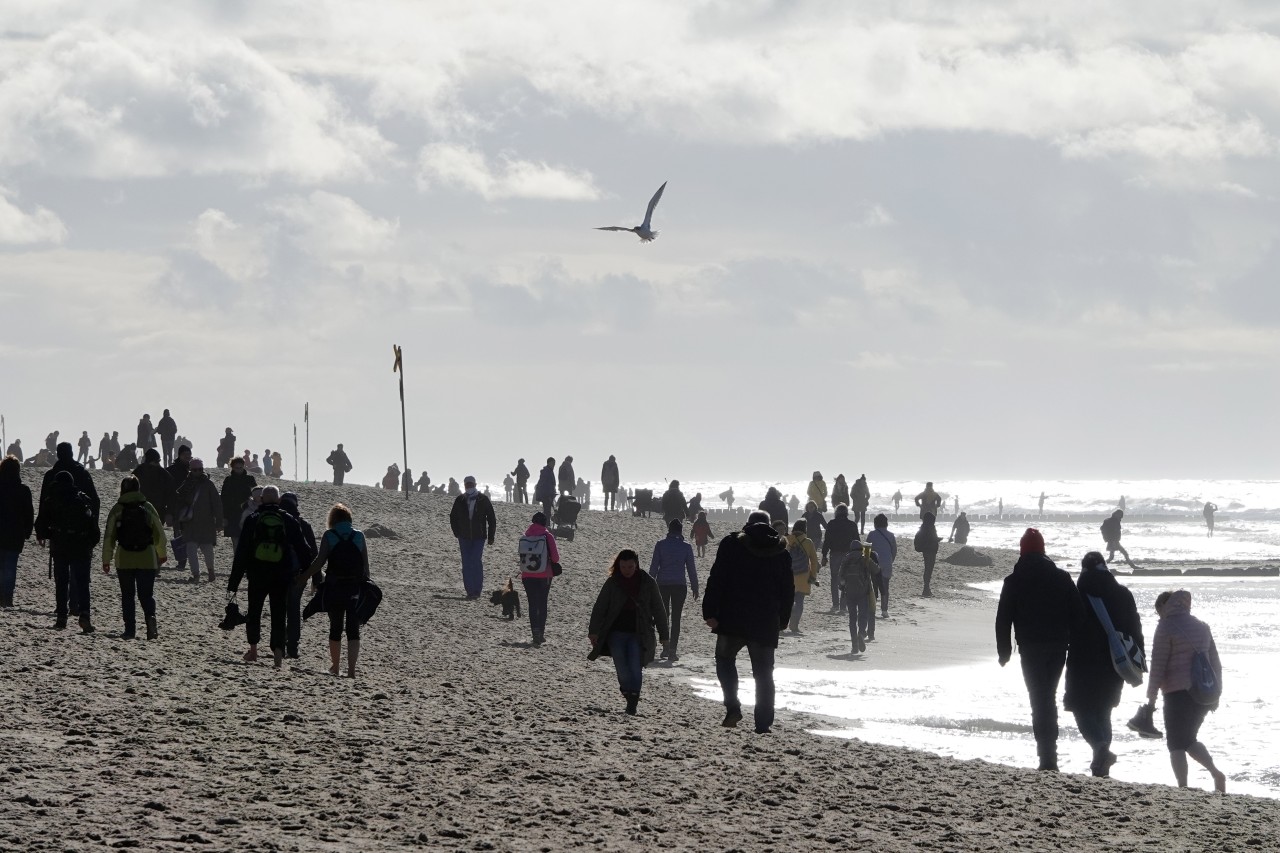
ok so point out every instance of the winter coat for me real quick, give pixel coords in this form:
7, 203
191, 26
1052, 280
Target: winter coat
473, 522
1179, 635
839, 493
199, 494
609, 479
885, 544
17, 516
928, 501
553, 552
84, 483
246, 561
1111, 530
56, 505
1041, 604
167, 428
567, 479
749, 590
857, 576
816, 522
156, 486
673, 561
861, 494
674, 505
134, 560
545, 491
522, 474
701, 531
1092, 682
146, 435
338, 461
775, 506
651, 617
236, 489
842, 534
802, 580
226, 448
818, 494
959, 531
927, 539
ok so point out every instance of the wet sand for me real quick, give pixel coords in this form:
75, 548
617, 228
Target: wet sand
457, 734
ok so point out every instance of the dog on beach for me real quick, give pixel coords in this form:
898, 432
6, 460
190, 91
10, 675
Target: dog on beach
508, 598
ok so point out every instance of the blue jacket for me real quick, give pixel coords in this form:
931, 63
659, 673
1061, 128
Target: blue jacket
672, 558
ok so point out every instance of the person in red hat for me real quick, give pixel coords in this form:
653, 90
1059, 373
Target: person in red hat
1039, 601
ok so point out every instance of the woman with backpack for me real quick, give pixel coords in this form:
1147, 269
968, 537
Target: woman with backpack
539, 563
926, 543
804, 568
17, 520
1186, 667
135, 541
345, 553
627, 614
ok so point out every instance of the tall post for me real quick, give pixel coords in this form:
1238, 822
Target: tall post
295, 452
398, 367
306, 417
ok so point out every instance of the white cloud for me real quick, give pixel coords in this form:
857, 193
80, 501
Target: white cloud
237, 250
334, 227
18, 227
469, 170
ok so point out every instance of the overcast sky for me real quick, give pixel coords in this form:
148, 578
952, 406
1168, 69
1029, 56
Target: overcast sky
925, 240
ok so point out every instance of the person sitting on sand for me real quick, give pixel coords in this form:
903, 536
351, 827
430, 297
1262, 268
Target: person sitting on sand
804, 568
746, 603
536, 571
135, 542
627, 613
254, 467
344, 551
1111, 534
270, 552
424, 483
1179, 635
960, 530
885, 545
701, 532
671, 564
391, 479
454, 489
1209, 510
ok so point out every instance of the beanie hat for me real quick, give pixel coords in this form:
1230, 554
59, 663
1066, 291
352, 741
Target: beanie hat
152, 455
675, 525
539, 518
1032, 542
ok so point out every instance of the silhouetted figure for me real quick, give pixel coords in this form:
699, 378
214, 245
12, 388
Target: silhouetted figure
178, 471
226, 448
861, 499
15, 450
406, 480
929, 501
454, 488
1111, 534
956, 505
253, 466
545, 490
167, 429
774, 505
473, 523
674, 506
960, 530
391, 479
1209, 510
104, 447
1000, 509
695, 506
508, 488
582, 491
115, 443
1041, 505
701, 532
926, 543
818, 492
609, 482
236, 490
727, 497
127, 459
1121, 504
84, 444
340, 463
51, 442
424, 483
154, 482
277, 465
839, 492
522, 483
794, 503
146, 433
566, 476
897, 501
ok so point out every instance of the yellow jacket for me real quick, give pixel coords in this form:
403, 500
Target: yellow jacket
804, 579
818, 494
126, 560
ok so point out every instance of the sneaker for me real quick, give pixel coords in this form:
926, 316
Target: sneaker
673, 658
664, 654
732, 717
862, 645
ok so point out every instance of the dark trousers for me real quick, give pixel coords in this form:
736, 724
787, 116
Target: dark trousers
167, 445
673, 597
140, 583
727, 649
862, 617
1095, 727
522, 493
929, 558
836, 558
860, 519
882, 589
537, 591
624, 648
1042, 670
71, 585
260, 590
293, 619
338, 474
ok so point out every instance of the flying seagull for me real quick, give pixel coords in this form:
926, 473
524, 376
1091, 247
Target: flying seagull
643, 231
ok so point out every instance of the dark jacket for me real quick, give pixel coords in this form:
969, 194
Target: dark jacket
609, 476
167, 428
842, 532
156, 486
236, 489
1111, 530
839, 493
567, 481
67, 462
775, 506
201, 495
521, 474
1092, 682
1039, 602
17, 516
246, 563
651, 617
308, 556
339, 461
178, 472
480, 523
749, 590
674, 505
545, 491
861, 494
146, 435
59, 505
816, 523
927, 539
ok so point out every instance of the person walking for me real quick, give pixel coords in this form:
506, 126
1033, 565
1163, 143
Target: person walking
226, 448
473, 522
671, 564
198, 518
1093, 686
627, 614
84, 444
839, 491
841, 538
1111, 534
897, 502
17, 521
885, 544
960, 530
775, 506
146, 433
1179, 637
545, 490
816, 523
804, 569
154, 482
701, 533
566, 479
609, 482
929, 501
508, 488
236, 489
860, 500
345, 553
270, 552
68, 522
746, 603
858, 573
340, 463
539, 563
303, 561
135, 542
926, 544
818, 491
521, 473
674, 506
1209, 510
167, 429
1042, 606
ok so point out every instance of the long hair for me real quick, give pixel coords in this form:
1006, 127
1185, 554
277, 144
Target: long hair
624, 554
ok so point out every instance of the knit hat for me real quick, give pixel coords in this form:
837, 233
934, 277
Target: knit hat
539, 518
1032, 542
675, 526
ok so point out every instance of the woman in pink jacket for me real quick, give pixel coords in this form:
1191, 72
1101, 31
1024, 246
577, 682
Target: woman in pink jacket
1178, 636
539, 563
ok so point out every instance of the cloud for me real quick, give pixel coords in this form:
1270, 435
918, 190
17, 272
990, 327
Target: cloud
334, 227
239, 252
18, 227
469, 170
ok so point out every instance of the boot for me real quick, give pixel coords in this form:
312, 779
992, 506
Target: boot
85, 625
633, 701
1049, 758
1103, 758
353, 652
152, 631
60, 623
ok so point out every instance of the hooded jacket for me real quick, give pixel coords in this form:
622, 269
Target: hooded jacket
1092, 682
567, 481
774, 505
927, 539
928, 501
63, 502
673, 561
134, 560
1041, 604
236, 489
839, 492
674, 506
167, 428
802, 580
842, 532
200, 494
885, 544
545, 491
338, 461
609, 479
156, 486
1179, 635
651, 617
553, 552
861, 494
749, 590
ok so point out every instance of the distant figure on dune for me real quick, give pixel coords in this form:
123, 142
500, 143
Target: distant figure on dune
406, 480
473, 522
521, 473
960, 530
1111, 533
17, 521
391, 479
609, 482
886, 548
424, 483
84, 444
114, 447
146, 433
1209, 510
270, 554
671, 565
135, 542
897, 501
727, 497
929, 501
701, 533
277, 465
344, 553
839, 491
167, 429
508, 488
1042, 606
127, 459
582, 491
545, 490
674, 506
51, 442
341, 464
774, 506
841, 538
15, 450
566, 482
861, 500
454, 490
104, 447
226, 448
254, 467
818, 491
747, 602
926, 543
628, 612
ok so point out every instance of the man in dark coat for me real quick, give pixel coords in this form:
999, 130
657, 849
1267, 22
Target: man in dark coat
841, 539
1093, 686
68, 521
473, 522
80, 477
567, 481
167, 429
775, 506
154, 482
340, 463
236, 489
522, 482
545, 491
226, 448
1041, 604
747, 602
674, 506
181, 467
609, 481
293, 613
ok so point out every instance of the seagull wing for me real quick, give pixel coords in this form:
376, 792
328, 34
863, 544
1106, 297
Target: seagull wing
653, 202
612, 228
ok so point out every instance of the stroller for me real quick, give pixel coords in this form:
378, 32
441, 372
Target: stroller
642, 503
565, 517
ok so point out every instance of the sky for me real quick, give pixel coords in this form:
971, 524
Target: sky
922, 240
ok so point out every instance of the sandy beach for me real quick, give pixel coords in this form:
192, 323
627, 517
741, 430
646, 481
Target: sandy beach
458, 734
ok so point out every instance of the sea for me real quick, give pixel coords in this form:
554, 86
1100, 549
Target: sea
980, 711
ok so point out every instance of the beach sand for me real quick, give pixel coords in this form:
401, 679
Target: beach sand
457, 734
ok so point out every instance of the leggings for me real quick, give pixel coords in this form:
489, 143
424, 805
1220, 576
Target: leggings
341, 602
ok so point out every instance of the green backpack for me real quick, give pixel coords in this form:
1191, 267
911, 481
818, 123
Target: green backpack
270, 539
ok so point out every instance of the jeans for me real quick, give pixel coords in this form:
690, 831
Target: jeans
882, 587
797, 610
260, 589
727, 649
196, 550
673, 596
139, 582
862, 618
624, 646
1095, 727
537, 591
293, 618
8, 573
836, 558
472, 565
929, 558
1041, 670
71, 585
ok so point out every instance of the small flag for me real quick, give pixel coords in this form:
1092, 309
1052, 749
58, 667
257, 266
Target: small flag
306, 413
397, 367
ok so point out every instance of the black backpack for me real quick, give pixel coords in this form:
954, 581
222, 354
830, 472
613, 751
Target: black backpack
73, 524
133, 527
346, 562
